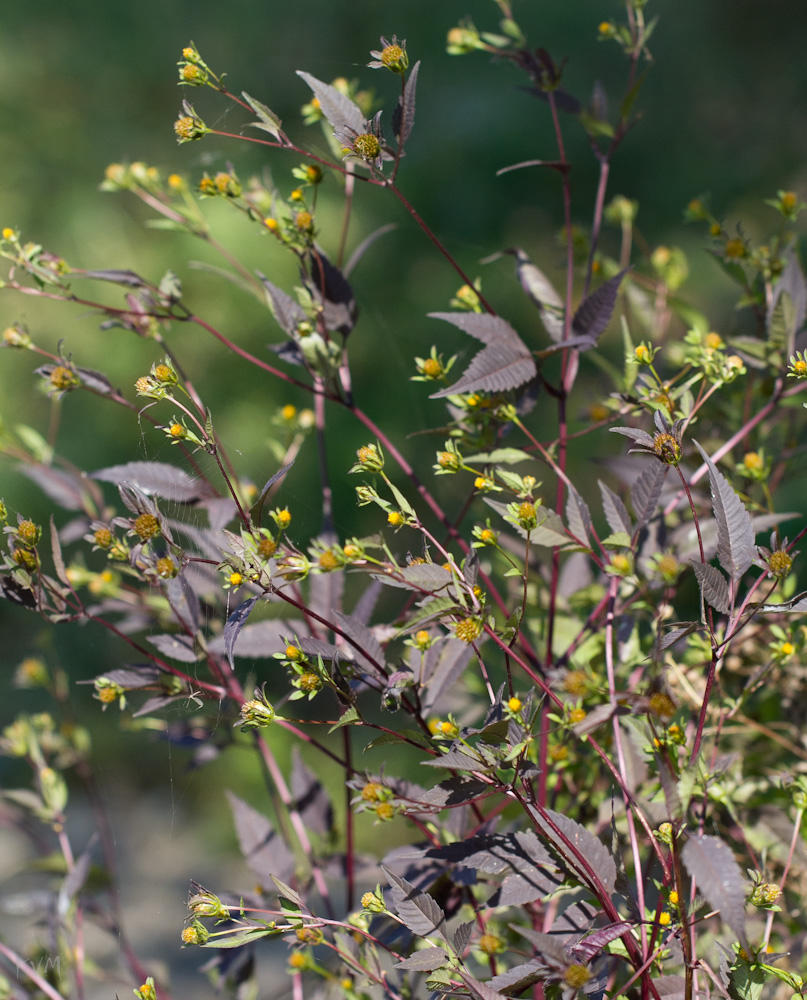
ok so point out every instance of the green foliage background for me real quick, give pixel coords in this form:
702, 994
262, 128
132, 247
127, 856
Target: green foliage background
85, 85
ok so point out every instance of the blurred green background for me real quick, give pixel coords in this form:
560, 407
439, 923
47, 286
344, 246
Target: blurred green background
84, 85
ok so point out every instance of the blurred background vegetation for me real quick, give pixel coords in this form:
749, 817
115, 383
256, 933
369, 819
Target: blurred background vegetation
84, 85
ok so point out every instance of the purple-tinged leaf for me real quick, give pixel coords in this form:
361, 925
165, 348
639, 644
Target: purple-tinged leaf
453, 792
563, 101
586, 846
419, 912
365, 605
678, 631
156, 479
178, 647
540, 290
260, 640
365, 640
365, 245
454, 658
594, 943
425, 960
338, 109
286, 892
714, 586
578, 517
526, 886
480, 991
325, 594
270, 482
403, 117
235, 622
597, 717
134, 676
645, 492
16, 593
61, 487
616, 513
310, 798
788, 306
517, 980
289, 352
505, 363
594, 312
455, 760
126, 278
424, 577
56, 554
797, 603
736, 543
713, 867
74, 880
286, 311
670, 987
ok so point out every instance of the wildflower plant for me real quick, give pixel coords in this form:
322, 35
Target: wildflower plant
575, 698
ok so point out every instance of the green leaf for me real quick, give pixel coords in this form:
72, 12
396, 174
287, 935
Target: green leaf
401, 500
500, 456
348, 718
240, 938
629, 99
617, 540
401, 737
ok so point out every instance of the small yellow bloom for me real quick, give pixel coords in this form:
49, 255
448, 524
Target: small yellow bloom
674, 897
235, 579
297, 194
395, 518
577, 715
288, 412
271, 223
8, 233
488, 537
294, 653
664, 918
514, 704
284, 518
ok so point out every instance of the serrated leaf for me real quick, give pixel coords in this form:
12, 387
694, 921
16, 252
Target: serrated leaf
517, 980
540, 290
331, 291
670, 987
711, 864
262, 849
403, 118
594, 943
578, 517
645, 492
595, 311
453, 792
425, 960
424, 577
455, 760
310, 798
419, 912
178, 647
56, 484
736, 548
235, 622
454, 657
788, 303
364, 638
462, 935
797, 603
269, 121
505, 363
587, 846
616, 513
400, 737
680, 630
714, 586
338, 109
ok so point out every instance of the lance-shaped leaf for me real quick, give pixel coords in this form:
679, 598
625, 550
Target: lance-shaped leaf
462, 935
419, 912
233, 626
736, 547
578, 516
616, 513
263, 850
331, 290
711, 864
587, 848
338, 109
156, 479
268, 120
286, 311
517, 980
797, 603
540, 290
594, 312
480, 991
425, 960
645, 492
594, 943
788, 308
403, 117
714, 586
505, 363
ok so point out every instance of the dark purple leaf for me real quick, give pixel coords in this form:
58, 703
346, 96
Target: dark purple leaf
462, 935
325, 594
505, 363
540, 290
403, 118
594, 312
16, 593
289, 352
135, 676
525, 887
518, 979
319, 647
425, 960
636, 435
370, 653
711, 864
455, 760
788, 302
127, 278
616, 513
578, 516
714, 586
670, 987
263, 850
338, 109
645, 492
454, 658
270, 482
680, 630
424, 577
564, 102
736, 543
56, 553
453, 792
156, 479
332, 292
235, 622
286, 311
594, 943
419, 912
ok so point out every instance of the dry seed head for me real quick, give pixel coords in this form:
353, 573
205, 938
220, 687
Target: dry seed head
367, 146
166, 568
468, 629
780, 563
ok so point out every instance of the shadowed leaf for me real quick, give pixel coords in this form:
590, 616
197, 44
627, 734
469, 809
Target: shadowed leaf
558, 828
269, 122
594, 312
404, 119
645, 492
286, 311
616, 514
540, 290
157, 479
714, 586
736, 547
419, 912
711, 864
425, 960
233, 626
